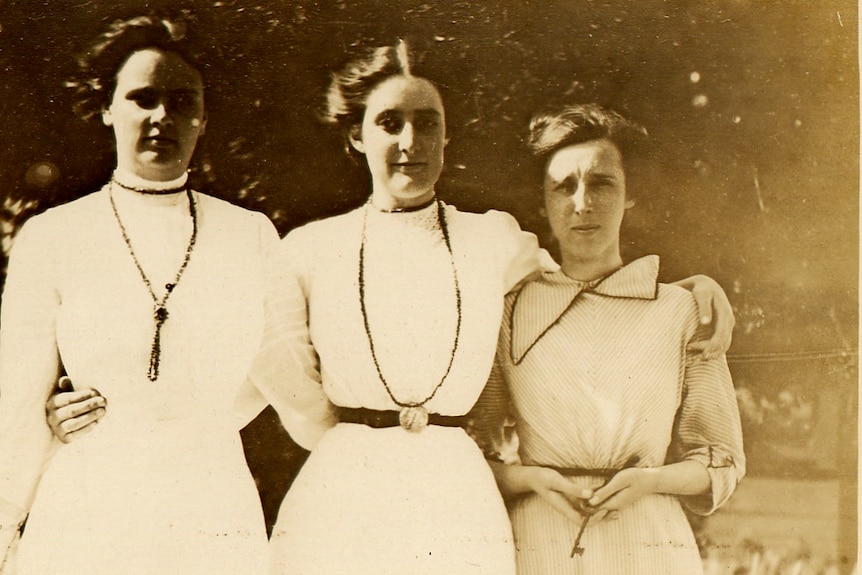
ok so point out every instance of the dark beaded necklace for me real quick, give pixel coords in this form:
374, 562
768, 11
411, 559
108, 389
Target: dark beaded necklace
148, 191
160, 310
413, 415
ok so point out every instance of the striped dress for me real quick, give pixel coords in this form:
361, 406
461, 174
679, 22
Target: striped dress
596, 373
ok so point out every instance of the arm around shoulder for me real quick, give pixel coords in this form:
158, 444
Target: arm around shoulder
519, 253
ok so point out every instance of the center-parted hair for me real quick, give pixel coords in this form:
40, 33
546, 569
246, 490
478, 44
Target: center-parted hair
96, 80
350, 87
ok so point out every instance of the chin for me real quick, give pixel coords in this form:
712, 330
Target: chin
412, 193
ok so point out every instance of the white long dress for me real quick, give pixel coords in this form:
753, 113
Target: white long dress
378, 501
161, 485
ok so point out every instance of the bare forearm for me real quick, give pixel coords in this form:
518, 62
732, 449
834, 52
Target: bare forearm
683, 478
511, 479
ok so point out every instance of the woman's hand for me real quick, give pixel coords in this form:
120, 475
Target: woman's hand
560, 493
549, 484
714, 308
630, 484
626, 487
71, 413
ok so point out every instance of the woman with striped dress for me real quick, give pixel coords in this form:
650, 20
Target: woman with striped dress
618, 423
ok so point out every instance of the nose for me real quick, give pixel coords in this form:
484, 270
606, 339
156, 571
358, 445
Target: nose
160, 114
407, 138
581, 200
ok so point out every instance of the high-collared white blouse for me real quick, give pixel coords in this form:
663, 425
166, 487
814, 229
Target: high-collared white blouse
377, 500
145, 491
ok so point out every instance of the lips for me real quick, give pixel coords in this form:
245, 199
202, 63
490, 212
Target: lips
160, 141
585, 228
408, 167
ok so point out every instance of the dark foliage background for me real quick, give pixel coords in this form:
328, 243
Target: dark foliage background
753, 107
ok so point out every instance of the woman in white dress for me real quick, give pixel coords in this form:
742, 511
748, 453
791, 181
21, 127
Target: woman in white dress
152, 293
615, 415
381, 331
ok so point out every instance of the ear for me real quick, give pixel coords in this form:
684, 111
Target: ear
354, 136
543, 212
630, 203
107, 119
202, 126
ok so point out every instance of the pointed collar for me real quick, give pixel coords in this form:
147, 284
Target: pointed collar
540, 304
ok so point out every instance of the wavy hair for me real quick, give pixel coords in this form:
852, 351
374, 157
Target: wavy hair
98, 65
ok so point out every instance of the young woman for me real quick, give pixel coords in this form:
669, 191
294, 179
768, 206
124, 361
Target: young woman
619, 425
145, 290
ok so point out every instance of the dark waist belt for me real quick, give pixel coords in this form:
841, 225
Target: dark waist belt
599, 472
380, 419
585, 471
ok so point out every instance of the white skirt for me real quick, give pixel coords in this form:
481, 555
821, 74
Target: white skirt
379, 501
170, 497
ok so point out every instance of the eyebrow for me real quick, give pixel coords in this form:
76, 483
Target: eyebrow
428, 112
592, 177
145, 89
422, 113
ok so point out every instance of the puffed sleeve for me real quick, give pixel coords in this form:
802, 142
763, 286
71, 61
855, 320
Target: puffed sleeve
708, 430
250, 401
29, 367
519, 253
286, 370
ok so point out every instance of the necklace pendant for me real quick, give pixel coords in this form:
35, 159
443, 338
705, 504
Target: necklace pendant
413, 418
160, 313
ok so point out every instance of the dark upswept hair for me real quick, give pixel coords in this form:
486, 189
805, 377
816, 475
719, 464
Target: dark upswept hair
349, 88
98, 65
577, 123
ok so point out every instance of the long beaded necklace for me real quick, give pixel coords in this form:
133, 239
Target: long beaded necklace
413, 415
160, 310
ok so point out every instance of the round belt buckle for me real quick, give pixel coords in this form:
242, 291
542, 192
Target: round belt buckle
413, 418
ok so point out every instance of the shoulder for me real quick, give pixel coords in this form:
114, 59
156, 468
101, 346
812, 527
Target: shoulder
219, 209
327, 229
492, 220
241, 224
677, 302
674, 294
57, 220
313, 239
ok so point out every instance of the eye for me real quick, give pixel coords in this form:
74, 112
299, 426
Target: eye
602, 185
146, 99
426, 124
563, 188
185, 103
391, 124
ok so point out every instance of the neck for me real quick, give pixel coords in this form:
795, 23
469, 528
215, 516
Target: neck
589, 269
389, 203
131, 181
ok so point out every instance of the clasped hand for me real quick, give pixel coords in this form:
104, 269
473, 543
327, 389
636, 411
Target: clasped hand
576, 503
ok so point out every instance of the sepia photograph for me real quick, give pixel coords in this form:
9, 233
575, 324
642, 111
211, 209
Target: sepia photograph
497, 287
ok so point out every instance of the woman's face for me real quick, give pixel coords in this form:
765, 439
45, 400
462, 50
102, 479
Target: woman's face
402, 135
585, 200
157, 114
